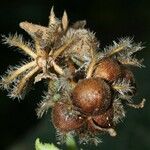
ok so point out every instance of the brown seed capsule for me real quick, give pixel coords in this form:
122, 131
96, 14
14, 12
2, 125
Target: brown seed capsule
108, 69
105, 120
64, 119
92, 96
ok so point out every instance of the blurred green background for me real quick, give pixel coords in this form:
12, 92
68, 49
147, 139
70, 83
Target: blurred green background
19, 126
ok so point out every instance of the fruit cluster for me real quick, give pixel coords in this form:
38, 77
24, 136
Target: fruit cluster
86, 86
95, 103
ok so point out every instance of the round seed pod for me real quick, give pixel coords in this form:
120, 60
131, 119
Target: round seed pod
64, 119
92, 96
105, 120
108, 69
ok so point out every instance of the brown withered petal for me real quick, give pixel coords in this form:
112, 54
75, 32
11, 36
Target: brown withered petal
92, 96
108, 69
63, 118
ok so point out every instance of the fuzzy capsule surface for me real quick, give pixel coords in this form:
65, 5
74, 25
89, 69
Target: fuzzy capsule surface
63, 118
99, 122
104, 120
108, 69
92, 96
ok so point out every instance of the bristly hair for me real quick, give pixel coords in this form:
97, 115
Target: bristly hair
89, 138
123, 86
49, 98
62, 138
119, 112
127, 58
17, 41
21, 86
55, 88
44, 105
131, 61
15, 73
123, 51
135, 47
117, 47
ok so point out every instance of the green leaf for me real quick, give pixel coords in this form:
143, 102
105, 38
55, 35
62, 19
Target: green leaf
70, 142
45, 146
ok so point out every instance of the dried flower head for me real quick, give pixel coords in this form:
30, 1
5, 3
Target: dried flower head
85, 86
52, 45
